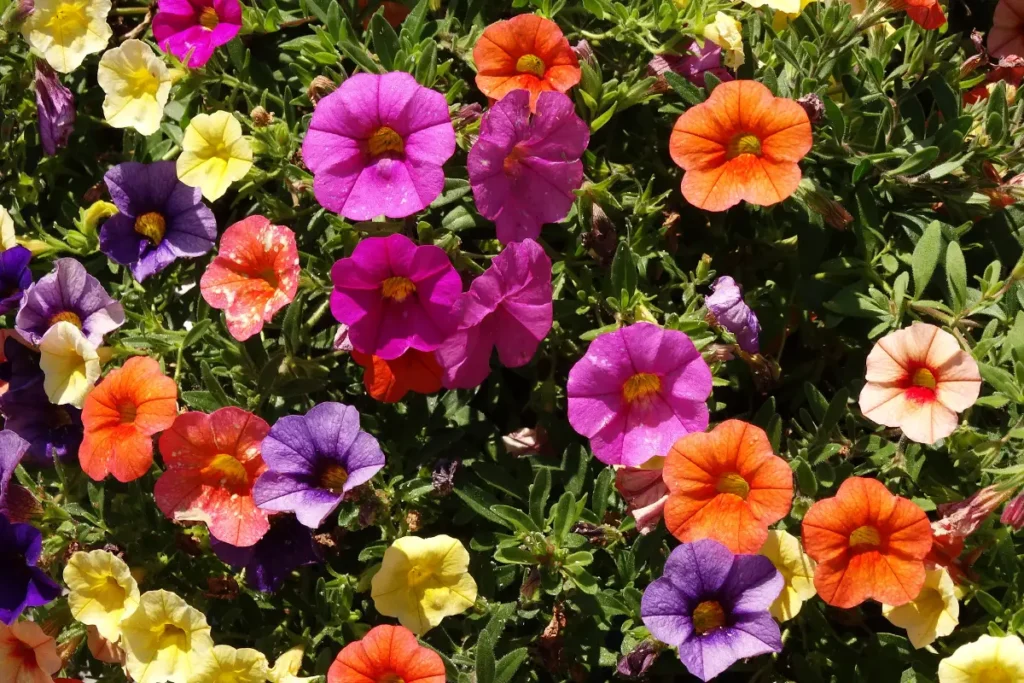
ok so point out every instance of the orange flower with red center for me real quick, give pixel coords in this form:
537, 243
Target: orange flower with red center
727, 485
525, 52
121, 416
27, 654
211, 464
387, 654
390, 380
868, 543
742, 144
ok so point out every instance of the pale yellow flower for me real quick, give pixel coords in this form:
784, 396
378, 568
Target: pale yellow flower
215, 154
727, 33
91, 218
70, 364
165, 639
797, 570
934, 613
286, 668
225, 664
137, 85
782, 18
987, 660
7, 236
66, 31
788, 6
103, 592
422, 581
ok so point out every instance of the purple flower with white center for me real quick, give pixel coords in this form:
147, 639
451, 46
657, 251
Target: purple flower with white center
313, 460
161, 218
68, 294
713, 606
12, 449
286, 547
693, 62
523, 167
55, 106
731, 312
14, 277
22, 584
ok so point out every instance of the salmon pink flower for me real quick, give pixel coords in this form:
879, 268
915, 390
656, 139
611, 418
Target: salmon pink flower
390, 380
387, 653
1006, 37
192, 29
27, 654
645, 492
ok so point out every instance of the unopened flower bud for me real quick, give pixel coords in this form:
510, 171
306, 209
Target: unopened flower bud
25, 9
93, 216
814, 107
584, 52
261, 118
468, 115
703, 268
319, 88
523, 442
637, 662
1013, 513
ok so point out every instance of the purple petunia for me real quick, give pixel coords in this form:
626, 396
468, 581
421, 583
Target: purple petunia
523, 167
313, 460
692, 63
713, 606
731, 312
22, 584
160, 218
286, 547
55, 106
14, 276
195, 28
12, 449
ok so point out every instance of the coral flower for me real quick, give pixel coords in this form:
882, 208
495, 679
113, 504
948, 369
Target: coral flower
526, 52
918, 379
121, 415
390, 380
868, 543
225, 664
387, 653
66, 31
255, 275
22, 583
214, 154
193, 29
137, 85
728, 485
165, 639
27, 655
797, 570
932, 614
103, 591
927, 14
1006, 36
645, 492
742, 144
989, 659
70, 365
55, 107
210, 465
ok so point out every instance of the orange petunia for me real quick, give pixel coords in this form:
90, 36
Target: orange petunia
927, 14
121, 416
390, 380
727, 485
385, 655
525, 52
742, 144
868, 543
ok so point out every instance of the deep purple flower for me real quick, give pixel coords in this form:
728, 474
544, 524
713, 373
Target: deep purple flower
638, 661
313, 460
713, 606
71, 295
195, 28
22, 584
693, 62
731, 312
55, 106
161, 218
286, 547
14, 276
12, 449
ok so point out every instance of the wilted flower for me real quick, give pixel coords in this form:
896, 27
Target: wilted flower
644, 491
319, 88
730, 311
960, 520
443, 477
639, 660
525, 441
813, 105
693, 61
55, 107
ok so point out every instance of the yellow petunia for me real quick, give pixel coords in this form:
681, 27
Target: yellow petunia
788, 6
215, 154
165, 639
934, 613
225, 664
137, 85
783, 18
726, 33
70, 364
286, 668
66, 31
7, 236
797, 569
987, 660
103, 591
424, 580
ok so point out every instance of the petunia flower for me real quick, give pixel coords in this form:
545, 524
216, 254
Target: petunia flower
989, 659
390, 380
8, 240
210, 465
730, 311
286, 547
66, 31
387, 653
742, 144
121, 415
693, 61
12, 495
790, 6
394, 12
523, 169
376, 146
103, 592
932, 614
192, 29
15, 277
22, 583
645, 492
214, 153
783, 18
70, 364
395, 295
313, 460
422, 581
918, 379
526, 52
27, 654
55, 108
927, 14
286, 667
71, 295
103, 650
868, 543
636, 391
254, 275
137, 85
1006, 37
713, 606
797, 569
225, 664
165, 639
727, 33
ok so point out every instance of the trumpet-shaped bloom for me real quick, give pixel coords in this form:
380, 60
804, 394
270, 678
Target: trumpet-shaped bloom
1006, 36
214, 154
422, 581
919, 379
225, 664
27, 655
742, 144
165, 639
797, 569
192, 29
121, 416
934, 613
286, 668
784, 18
726, 304
22, 583
15, 276
55, 107
254, 275
728, 485
727, 33
210, 465
137, 85
66, 31
286, 547
103, 592
636, 391
927, 14
69, 363
390, 380
645, 492
868, 543
989, 659
387, 653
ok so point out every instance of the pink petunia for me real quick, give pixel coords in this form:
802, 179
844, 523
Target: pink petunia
645, 492
376, 146
636, 391
198, 27
507, 308
1007, 34
524, 168
395, 295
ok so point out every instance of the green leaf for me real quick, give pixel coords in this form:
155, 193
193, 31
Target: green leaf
563, 517
688, 91
509, 664
412, 27
991, 605
481, 503
517, 518
540, 489
926, 257
1001, 380
602, 489
956, 276
214, 386
197, 332
805, 477
915, 163
624, 276
200, 400
385, 40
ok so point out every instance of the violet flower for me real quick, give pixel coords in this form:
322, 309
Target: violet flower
14, 276
731, 312
56, 109
12, 449
22, 584
286, 547
693, 62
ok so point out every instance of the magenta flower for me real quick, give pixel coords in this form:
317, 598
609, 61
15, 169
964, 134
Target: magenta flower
376, 146
196, 27
692, 63
524, 168
508, 308
636, 391
395, 295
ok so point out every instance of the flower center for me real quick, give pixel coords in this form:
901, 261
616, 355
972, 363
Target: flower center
208, 18
513, 161
390, 678
22, 652
923, 377
994, 673
708, 616
744, 143
531, 64
227, 471
66, 317
418, 576
141, 83
68, 18
151, 226
865, 535
333, 478
127, 411
172, 636
641, 386
397, 288
733, 483
385, 141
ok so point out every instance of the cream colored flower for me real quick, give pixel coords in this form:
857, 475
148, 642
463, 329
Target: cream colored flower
286, 668
987, 660
788, 6
7, 236
726, 33
65, 31
782, 18
225, 664
165, 639
70, 364
797, 569
215, 154
103, 591
137, 85
934, 613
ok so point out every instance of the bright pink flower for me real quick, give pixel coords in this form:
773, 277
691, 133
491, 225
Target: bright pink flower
645, 492
1007, 35
196, 26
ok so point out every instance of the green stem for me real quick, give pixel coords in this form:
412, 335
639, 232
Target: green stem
128, 11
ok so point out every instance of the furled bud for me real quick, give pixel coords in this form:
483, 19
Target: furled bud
814, 107
1013, 513
524, 441
637, 662
261, 118
584, 52
319, 88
